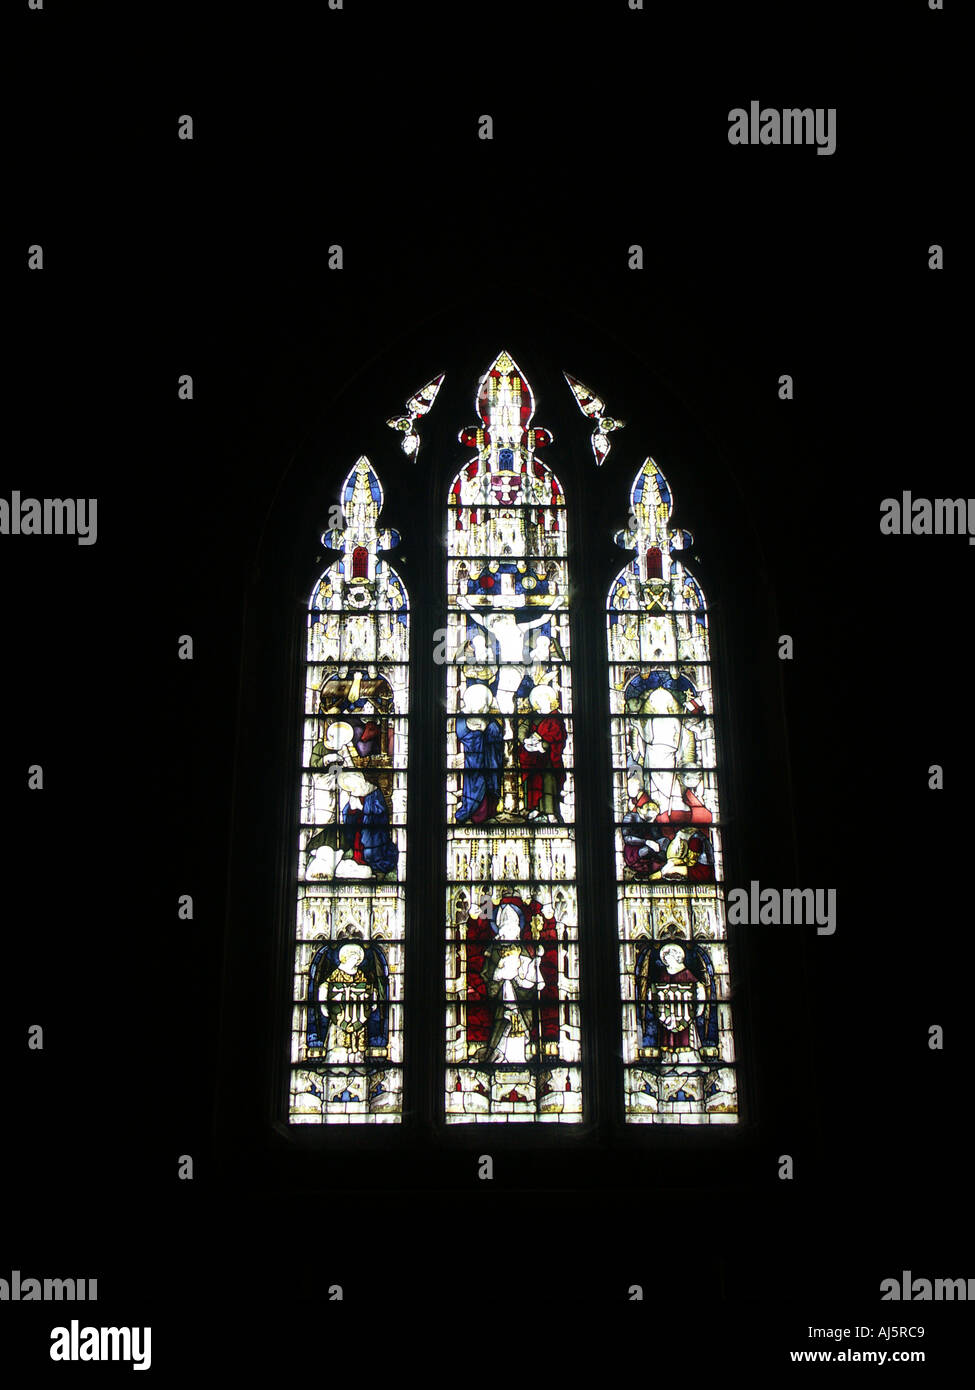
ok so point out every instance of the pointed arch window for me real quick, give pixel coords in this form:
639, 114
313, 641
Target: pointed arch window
678, 1049
512, 961
349, 999
503, 725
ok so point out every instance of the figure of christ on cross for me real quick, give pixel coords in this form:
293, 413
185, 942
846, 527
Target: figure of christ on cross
508, 632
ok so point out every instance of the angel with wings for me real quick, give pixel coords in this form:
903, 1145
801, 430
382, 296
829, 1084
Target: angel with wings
677, 1014
348, 993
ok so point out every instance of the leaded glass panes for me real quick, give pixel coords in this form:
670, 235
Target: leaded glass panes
512, 960
347, 1029
678, 1049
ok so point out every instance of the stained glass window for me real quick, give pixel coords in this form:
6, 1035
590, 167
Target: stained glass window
347, 1029
512, 1051
512, 963
678, 1050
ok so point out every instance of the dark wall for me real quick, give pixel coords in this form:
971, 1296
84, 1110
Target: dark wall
169, 777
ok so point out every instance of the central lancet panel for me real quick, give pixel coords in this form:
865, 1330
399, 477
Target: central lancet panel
512, 957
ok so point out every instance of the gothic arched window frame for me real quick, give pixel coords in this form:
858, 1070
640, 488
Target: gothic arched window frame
423, 1111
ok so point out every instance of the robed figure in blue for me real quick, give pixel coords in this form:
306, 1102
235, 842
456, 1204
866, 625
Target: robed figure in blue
367, 832
482, 740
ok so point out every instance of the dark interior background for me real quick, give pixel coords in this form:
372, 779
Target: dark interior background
164, 777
